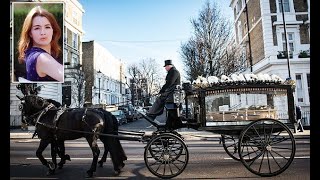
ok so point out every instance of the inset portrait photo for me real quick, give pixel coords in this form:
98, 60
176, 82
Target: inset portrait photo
37, 42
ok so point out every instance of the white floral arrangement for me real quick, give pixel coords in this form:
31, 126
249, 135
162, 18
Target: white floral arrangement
238, 79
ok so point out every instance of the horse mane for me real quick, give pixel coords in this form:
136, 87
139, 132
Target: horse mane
54, 102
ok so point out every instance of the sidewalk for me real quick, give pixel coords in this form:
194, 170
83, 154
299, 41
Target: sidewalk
27, 134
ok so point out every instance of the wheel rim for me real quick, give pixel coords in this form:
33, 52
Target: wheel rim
266, 147
166, 156
230, 145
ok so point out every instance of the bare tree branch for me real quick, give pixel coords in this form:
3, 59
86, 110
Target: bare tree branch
208, 52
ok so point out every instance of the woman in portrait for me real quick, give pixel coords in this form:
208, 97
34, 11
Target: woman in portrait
39, 47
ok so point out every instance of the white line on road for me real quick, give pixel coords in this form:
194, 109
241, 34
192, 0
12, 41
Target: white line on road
31, 178
301, 157
142, 159
129, 159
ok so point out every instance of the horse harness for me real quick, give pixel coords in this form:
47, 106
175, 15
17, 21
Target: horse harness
56, 118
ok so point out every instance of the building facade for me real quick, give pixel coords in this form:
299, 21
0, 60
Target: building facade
269, 31
104, 76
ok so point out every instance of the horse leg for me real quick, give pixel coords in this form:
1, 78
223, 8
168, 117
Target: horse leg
116, 153
61, 153
104, 156
92, 140
42, 146
54, 150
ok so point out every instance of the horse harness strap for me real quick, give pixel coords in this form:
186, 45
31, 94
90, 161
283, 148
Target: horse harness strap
45, 110
58, 114
84, 118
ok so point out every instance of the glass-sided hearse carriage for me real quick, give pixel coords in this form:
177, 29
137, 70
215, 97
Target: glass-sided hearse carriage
255, 120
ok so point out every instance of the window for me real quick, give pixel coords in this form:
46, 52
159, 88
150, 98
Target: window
290, 39
239, 32
286, 6
65, 55
65, 36
75, 40
74, 59
299, 88
239, 6
75, 17
308, 81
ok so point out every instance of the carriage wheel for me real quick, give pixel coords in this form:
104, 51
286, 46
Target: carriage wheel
230, 145
166, 155
266, 147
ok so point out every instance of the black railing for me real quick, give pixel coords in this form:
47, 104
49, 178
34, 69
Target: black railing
284, 55
305, 118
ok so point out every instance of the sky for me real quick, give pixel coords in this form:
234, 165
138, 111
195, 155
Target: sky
132, 30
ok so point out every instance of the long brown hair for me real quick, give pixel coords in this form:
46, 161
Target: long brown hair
25, 41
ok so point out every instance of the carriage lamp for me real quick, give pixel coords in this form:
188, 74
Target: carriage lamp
178, 96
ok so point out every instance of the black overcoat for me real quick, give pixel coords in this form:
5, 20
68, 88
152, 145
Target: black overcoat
172, 79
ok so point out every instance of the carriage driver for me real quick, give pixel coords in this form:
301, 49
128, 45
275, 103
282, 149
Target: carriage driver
167, 90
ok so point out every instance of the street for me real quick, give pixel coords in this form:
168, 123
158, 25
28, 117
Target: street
207, 159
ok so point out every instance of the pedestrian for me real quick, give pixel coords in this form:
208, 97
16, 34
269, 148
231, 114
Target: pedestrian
298, 118
166, 92
39, 47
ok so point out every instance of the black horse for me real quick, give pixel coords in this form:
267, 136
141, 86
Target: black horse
55, 125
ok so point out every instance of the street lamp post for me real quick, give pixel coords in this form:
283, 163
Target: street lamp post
99, 72
285, 37
249, 41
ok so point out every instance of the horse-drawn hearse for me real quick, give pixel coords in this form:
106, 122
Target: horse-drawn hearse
254, 118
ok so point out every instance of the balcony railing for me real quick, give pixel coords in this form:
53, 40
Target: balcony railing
284, 55
304, 54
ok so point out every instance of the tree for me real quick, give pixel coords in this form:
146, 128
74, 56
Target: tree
146, 77
210, 50
76, 76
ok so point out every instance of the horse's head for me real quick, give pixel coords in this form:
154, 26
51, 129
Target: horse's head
31, 106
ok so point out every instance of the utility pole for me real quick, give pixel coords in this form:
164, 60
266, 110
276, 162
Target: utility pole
99, 72
249, 41
285, 37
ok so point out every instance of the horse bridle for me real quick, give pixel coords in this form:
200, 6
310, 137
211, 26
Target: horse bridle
36, 116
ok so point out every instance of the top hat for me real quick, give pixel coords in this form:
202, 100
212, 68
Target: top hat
167, 62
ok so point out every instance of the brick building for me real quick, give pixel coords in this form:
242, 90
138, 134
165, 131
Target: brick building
260, 27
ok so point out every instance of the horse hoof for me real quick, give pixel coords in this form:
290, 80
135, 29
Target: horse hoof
121, 166
67, 157
89, 174
100, 164
117, 172
60, 166
50, 172
51, 165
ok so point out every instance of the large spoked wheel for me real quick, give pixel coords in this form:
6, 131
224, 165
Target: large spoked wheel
266, 147
230, 145
166, 155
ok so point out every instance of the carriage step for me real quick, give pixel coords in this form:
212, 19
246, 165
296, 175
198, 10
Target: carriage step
154, 122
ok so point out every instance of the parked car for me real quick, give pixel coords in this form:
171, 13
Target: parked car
139, 109
121, 117
129, 112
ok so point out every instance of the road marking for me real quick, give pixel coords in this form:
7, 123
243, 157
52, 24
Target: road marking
142, 159
301, 157
129, 159
31, 178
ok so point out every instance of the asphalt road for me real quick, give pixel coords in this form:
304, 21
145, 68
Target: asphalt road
207, 159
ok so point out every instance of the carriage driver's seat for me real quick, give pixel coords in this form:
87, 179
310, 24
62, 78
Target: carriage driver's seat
172, 107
